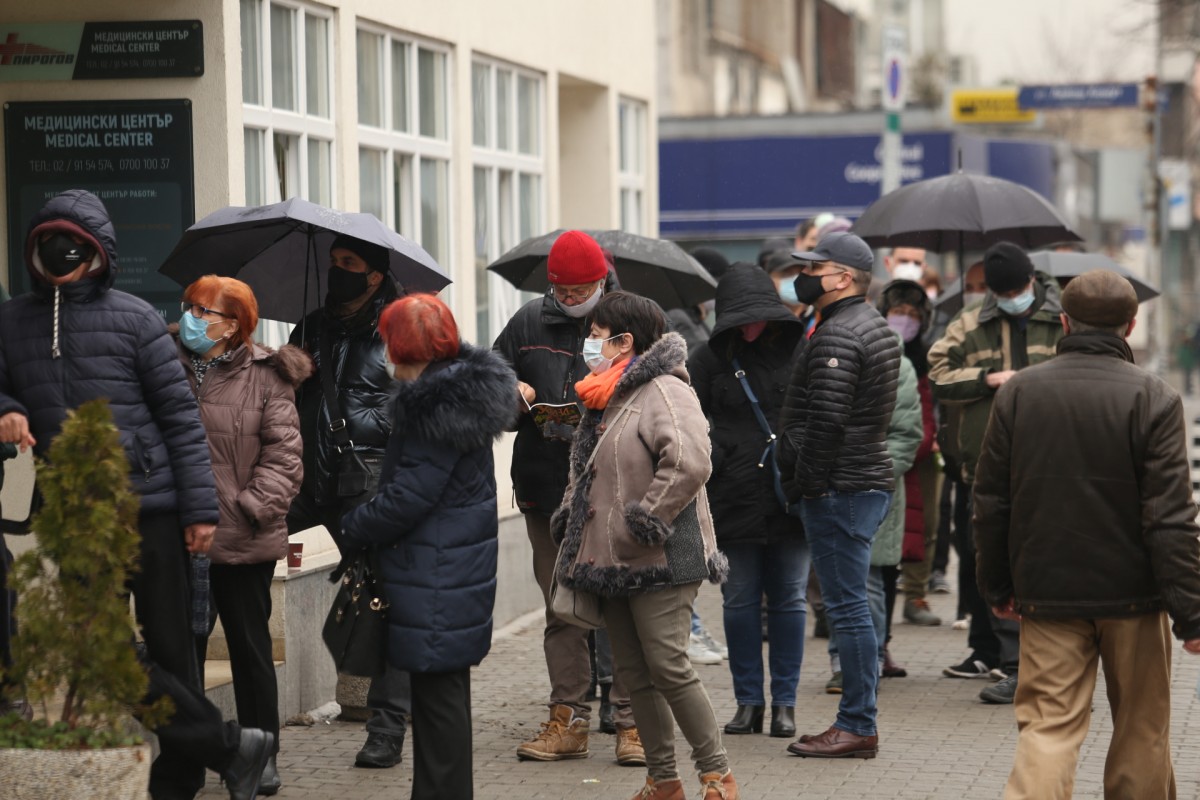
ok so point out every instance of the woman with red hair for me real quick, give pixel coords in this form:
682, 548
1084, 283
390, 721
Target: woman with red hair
247, 403
433, 524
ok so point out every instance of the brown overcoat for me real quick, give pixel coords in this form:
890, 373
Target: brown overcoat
637, 517
248, 407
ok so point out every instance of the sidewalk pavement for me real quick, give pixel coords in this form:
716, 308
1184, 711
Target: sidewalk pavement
937, 740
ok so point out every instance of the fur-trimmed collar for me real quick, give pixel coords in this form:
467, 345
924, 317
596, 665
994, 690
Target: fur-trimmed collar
667, 356
293, 364
464, 403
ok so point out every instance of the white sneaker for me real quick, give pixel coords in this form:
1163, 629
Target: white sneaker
699, 653
712, 644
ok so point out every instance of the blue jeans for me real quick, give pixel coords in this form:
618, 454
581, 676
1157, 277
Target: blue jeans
876, 600
840, 527
780, 569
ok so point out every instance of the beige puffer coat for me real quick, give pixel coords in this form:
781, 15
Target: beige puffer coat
637, 519
248, 407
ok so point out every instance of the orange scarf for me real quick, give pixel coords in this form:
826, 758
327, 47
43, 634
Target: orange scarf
597, 389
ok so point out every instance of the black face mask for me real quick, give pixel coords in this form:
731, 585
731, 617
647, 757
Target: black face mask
61, 255
345, 286
809, 288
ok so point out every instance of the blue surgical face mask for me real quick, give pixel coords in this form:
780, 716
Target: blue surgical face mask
787, 291
1016, 306
594, 358
193, 332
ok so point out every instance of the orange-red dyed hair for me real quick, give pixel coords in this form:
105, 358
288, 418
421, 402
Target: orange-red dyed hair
229, 296
419, 328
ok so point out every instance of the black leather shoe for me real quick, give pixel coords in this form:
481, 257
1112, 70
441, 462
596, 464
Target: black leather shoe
270, 783
607, 725
242, 776
783, 722
748, 719
381, 751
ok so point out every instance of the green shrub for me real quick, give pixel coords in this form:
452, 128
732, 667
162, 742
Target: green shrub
75, 633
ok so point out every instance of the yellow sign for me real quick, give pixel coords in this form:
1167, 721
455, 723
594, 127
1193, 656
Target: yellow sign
988, 106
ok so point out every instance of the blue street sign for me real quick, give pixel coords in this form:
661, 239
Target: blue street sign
1079, 95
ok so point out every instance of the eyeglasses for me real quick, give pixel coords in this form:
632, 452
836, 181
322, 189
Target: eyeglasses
581, 294
198, 311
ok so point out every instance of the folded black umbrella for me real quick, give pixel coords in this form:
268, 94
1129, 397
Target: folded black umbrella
282, 252
962, 211
655, 268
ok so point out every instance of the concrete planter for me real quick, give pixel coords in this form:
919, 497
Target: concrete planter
117, 773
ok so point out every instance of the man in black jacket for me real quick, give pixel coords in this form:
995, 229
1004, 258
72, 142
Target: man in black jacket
343, 336
1085, 528
543, 343
73, 339
836, 465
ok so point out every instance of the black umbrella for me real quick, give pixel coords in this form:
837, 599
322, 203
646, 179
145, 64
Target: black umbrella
653, 268
281, 250
1062, 266
962, 211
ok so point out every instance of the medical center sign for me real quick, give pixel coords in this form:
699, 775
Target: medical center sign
64, 51
74, 131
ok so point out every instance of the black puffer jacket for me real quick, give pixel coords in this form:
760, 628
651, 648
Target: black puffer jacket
542, 344
364, 387
838, 406
741, 494
114, 345
1083, 498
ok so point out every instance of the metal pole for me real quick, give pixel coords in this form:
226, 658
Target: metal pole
1156, 252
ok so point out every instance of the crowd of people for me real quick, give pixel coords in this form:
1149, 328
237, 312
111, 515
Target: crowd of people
815, 438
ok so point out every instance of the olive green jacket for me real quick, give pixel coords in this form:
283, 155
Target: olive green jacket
903, 439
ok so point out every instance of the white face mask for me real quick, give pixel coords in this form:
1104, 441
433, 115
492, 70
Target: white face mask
908, 271
593, 356
970, 298
581, 310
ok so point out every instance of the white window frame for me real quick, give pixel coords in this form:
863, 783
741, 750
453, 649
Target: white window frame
412, 145
268, 122
632, 118
504, 299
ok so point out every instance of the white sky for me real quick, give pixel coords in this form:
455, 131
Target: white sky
1048, 41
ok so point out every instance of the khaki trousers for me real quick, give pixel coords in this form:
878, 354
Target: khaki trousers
649, 633
1053, 706
568, 661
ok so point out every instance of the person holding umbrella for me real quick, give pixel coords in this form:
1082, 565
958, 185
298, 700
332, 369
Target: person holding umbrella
1016, 326
543, 343
345, 427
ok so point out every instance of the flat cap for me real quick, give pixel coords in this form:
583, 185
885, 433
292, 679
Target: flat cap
1100, 297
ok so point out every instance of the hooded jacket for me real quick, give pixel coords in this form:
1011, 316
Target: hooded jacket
742, 493
364, 389
981, 340
1083, 495
434, 519
839, 403
62, 347
637, 519
248, 406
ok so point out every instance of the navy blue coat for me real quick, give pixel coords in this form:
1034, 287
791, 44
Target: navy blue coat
111, 345
434, 516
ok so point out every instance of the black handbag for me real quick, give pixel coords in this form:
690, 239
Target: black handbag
355, 630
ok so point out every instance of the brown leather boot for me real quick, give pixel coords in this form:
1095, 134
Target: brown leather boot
719, 786
564, 736
630, 752
663, 790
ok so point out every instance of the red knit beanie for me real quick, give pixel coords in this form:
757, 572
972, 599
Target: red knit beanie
575, 258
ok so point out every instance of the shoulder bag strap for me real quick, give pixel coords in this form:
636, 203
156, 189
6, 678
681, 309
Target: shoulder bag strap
768, 455
608, 429
337, 417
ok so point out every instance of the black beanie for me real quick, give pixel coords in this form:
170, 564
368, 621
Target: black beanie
376, 257
1006, 268
712, 260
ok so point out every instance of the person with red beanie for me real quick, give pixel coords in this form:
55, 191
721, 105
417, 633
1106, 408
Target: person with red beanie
543, 342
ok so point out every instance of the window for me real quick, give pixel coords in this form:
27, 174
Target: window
289, 130
404, 137
631, 123
507, 180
